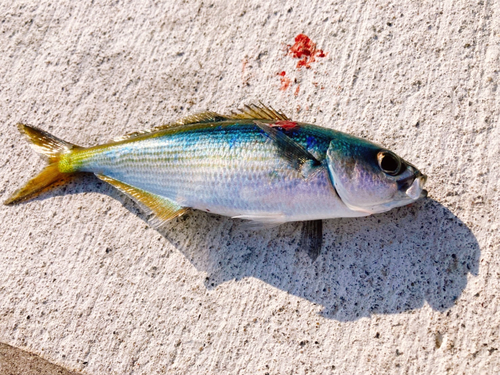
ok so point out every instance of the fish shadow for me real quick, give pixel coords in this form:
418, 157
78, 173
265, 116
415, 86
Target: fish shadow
382, 264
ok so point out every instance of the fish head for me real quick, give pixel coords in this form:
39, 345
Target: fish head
371, 179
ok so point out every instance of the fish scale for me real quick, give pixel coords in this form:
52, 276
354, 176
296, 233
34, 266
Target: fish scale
223, 170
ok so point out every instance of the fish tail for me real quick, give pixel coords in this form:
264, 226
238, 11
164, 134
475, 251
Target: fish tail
51, 147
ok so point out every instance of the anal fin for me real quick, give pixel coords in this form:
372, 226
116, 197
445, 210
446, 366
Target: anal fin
162, 208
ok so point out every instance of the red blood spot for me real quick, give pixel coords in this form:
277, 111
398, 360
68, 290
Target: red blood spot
305, 49
285, 125
296, 93
285, 81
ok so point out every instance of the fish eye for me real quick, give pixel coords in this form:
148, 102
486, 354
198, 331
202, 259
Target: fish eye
389, 162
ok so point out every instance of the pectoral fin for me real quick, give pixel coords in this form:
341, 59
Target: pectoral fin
312, 238
294, 152
162, 208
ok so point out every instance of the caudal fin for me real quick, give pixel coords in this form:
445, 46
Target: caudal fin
52, 147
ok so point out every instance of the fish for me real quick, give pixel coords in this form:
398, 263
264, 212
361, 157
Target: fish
254, 164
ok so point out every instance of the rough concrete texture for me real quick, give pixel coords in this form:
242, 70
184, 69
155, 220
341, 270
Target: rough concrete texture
86, 284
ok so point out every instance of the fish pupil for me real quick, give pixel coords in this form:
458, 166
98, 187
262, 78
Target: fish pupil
389, 163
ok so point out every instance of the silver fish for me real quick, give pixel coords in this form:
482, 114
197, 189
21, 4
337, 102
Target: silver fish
255, 164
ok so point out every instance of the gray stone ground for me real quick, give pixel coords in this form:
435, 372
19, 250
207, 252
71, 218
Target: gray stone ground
86, 284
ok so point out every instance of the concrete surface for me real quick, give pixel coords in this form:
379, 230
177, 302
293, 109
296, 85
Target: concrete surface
86, 284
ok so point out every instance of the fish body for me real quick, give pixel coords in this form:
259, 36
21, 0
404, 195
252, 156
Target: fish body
229, 168
256, 165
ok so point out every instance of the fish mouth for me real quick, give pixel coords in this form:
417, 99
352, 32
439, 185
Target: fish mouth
416, 189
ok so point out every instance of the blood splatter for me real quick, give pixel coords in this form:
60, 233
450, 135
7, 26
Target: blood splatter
245, 76
285, 81
305, 49
285, 125
296, 93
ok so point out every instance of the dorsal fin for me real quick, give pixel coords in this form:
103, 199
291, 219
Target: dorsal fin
131, 135
191, 119
258, 112
249, 112
197, 118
